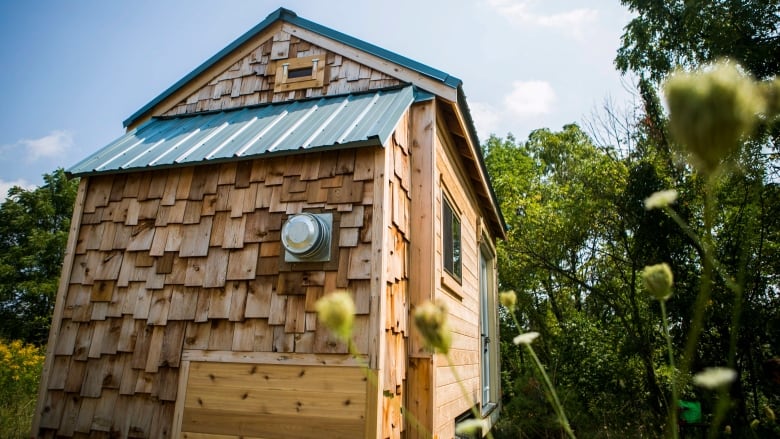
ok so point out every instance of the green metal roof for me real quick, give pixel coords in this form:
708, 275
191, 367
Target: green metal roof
292, 18
280, 128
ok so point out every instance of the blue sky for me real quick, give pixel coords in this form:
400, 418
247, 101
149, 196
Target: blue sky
74, 70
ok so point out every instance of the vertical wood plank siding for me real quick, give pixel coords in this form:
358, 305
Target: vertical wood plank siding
420, 401
189, 259
461, 298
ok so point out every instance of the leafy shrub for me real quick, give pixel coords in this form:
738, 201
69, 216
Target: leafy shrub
20, 371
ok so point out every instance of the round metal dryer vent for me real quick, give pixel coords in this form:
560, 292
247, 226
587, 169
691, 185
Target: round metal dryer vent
306, 237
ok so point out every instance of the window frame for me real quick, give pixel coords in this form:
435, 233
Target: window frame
283, 82
452, 243
490, 368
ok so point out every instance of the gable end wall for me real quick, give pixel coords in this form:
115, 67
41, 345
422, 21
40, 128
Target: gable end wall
251, 80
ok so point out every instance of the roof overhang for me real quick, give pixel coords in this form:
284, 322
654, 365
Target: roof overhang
461, 127
333, 122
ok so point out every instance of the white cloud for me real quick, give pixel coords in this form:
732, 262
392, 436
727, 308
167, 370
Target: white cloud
522, 12
54, 145
574, 19
5, 186
530, 98
486, 119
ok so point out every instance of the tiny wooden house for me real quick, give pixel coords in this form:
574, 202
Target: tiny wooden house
295, 162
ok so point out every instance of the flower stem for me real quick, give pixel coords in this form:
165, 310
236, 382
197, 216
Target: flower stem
675, 397
551, 394
465, 392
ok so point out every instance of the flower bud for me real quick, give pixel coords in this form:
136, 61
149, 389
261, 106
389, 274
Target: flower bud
431, 320
508, 299
660, 199
771, 91
337, 312
769, 413
470, 427
714, 377
710, 111
525, 339
658, 280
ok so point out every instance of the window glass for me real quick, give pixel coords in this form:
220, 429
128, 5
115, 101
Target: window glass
451, 239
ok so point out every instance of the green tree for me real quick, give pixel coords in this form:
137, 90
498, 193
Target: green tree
34, 228
574, 254
689, 33
662, 37
579, 237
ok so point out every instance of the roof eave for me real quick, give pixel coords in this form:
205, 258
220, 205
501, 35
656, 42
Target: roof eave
474, 140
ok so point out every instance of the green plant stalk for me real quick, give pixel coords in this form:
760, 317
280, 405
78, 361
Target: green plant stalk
721, 407
465, 392
709, 266
551, 394
706, 280
675, 397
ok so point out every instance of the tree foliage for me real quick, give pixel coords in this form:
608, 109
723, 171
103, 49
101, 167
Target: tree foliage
34, 228
689, 33
579, 236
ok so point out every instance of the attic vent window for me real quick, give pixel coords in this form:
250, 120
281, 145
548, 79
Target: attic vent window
299, 73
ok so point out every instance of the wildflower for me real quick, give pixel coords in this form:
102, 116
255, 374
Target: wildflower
431, 320
470, 427
770, 414
771, 91
714, 377
658, 280
337, 311
526, 338
660, 199
508, 299
710, 111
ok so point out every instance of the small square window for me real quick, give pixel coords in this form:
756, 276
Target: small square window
451, 240
299, 73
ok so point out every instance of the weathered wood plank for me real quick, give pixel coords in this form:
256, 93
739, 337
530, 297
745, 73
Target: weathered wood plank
160, 306
221, 335
183, 303
173, 342
258, 299
195, 238
216, 268
242, 264
296, 315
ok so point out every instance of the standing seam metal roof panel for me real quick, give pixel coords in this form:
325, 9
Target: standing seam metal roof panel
328, 122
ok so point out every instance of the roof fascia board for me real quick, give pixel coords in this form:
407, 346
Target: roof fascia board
375, 62
465, 120
377, 51
368, 142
